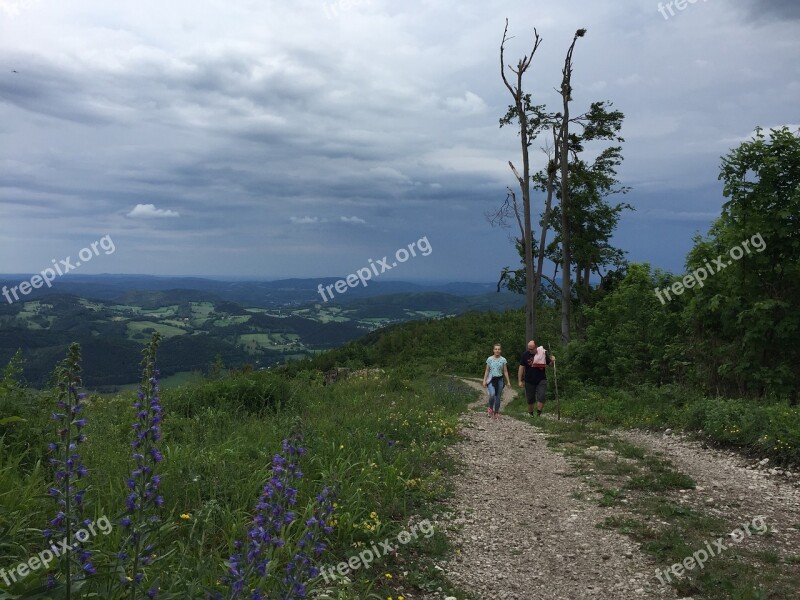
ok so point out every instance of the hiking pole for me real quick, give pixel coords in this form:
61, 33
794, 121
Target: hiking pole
555, 378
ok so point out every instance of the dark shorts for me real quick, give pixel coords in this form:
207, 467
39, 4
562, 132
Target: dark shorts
535, 392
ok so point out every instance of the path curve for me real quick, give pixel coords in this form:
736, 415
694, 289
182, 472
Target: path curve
519, 533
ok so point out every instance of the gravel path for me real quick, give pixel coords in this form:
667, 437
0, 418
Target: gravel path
520, 534
733, 487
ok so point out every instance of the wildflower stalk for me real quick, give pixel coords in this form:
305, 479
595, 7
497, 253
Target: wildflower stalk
273, 512
266, 536
143, 501
302, 566
68, 470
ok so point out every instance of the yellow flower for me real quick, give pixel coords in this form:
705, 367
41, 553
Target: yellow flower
388, 575
341, 446
186, 516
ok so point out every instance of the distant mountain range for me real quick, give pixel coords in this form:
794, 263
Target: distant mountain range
263, 294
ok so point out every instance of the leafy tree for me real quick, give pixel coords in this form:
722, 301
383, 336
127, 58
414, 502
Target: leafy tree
746, 317
592, 219
631, 337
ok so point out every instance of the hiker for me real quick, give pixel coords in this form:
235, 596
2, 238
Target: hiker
496, 370
532, 365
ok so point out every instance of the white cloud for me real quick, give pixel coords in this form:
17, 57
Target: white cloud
354, 220
306, 220
149, 211
13, 8
469, 104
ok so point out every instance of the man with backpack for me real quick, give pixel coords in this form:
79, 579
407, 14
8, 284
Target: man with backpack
532, 365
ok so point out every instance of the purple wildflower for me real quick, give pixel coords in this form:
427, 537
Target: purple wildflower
67, 471
142, 500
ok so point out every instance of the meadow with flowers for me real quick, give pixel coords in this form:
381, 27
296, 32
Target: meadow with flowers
238, 487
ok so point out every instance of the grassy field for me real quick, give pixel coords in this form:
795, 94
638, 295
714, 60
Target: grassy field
386, 469
138, 327
231, 320
760, 428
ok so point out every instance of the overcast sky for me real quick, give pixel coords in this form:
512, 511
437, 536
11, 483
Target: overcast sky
301, 138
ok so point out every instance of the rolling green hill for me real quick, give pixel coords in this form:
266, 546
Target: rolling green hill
198, 327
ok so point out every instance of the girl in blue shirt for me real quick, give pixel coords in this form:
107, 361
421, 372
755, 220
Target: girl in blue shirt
496, 371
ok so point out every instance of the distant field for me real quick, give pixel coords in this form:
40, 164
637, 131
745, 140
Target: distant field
126, 308
162, 312
232, 320
201, 312
428, 314
167, 331
252, 342
91, 305
331, 315
35, 315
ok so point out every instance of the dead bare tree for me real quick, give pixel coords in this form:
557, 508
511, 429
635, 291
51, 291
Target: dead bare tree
566, 256
524, 180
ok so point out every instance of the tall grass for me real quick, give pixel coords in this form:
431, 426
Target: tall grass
762, 428
377, 442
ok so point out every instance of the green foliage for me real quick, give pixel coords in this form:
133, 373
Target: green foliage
631, 337
735, 332
760, 428
380, 441
459, 345
251, 394
745, 320
11, 395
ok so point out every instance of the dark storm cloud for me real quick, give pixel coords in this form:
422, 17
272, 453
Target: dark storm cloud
772, 9
294, 143
43, 87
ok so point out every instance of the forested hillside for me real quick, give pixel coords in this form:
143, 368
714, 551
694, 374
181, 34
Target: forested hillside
200, 330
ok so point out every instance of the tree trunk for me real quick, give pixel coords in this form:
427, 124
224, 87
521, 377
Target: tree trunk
525, 180
566, 271
566, 257
542, 245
